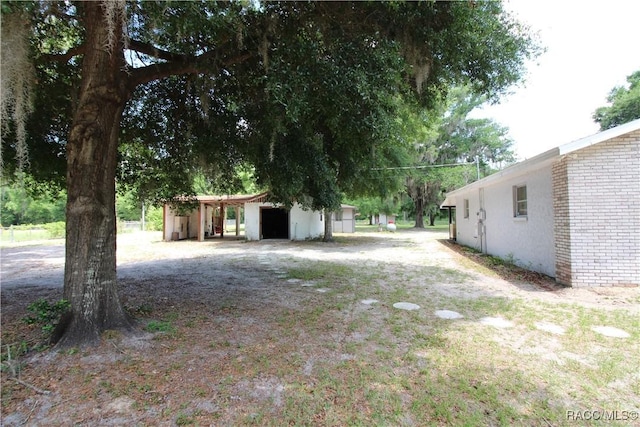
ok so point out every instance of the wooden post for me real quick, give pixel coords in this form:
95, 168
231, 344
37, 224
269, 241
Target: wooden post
201, 210
237, 220
223, 219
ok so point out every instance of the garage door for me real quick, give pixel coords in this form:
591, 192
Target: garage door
274, 223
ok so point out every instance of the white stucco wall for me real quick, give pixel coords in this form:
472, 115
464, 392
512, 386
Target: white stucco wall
527, 241
302, 224
305, 224
252, 221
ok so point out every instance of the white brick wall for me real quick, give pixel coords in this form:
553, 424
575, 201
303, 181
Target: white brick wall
561, 222
604, 214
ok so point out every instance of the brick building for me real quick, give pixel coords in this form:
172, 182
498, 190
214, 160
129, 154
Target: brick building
572, 212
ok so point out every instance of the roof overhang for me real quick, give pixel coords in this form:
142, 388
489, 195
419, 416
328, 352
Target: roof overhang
236, 199
229, 200
520, 168
599, 137
544, 159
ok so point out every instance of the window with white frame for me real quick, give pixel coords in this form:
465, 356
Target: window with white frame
519, 201
465, 208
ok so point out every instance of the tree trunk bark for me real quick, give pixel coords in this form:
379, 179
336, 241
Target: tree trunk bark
90, 262
328, 226
418, 196
419, 202
432, 219
416, 191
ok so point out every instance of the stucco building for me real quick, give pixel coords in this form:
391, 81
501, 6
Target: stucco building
262, 219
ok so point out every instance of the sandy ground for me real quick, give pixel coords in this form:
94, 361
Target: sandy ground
142, 256
232, 288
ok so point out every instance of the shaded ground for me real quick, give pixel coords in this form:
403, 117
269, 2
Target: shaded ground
279, 332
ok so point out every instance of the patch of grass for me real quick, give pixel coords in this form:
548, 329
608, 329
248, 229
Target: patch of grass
11, 358
159, 326
320, 272
350, 393
185, 420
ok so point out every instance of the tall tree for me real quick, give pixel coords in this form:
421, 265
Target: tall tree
103, 63
447, 137
625, 104
340, 103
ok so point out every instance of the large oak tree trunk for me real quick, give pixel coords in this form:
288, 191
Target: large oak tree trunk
90, 264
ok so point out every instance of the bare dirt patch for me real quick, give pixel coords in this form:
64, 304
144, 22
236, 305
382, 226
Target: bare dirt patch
268, 333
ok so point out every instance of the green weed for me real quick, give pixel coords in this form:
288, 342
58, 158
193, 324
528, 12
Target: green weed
159, 326
45, 314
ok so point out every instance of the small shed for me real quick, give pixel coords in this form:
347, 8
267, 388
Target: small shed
572, 212
344, 220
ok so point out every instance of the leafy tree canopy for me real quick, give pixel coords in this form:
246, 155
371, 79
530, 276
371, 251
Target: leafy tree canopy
446, 136
293, 85
624, 104
151, 94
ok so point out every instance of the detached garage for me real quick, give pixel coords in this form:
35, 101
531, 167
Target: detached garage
265, 220
262, 219
274, 223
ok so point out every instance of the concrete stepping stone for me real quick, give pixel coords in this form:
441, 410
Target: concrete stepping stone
322, 290
406, 306
610, 331
448, 314
308, 284
294, 281
369, 301
496, 322
550, 327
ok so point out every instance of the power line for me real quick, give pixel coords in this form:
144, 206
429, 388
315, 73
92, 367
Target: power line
424, 166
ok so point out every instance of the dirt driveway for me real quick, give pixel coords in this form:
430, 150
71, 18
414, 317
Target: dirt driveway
227, 323
144, 257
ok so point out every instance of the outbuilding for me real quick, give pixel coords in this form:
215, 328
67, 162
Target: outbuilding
262, 219
572, 212
344, 220
207, 219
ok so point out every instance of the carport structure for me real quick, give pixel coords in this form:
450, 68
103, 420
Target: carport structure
208, 219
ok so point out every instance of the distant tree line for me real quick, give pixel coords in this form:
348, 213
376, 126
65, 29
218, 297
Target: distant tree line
28, 203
